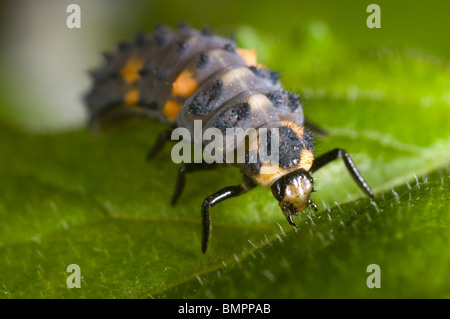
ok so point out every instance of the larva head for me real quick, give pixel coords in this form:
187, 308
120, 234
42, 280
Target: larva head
293, 192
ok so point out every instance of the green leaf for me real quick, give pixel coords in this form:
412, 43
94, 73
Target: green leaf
405, 232
72, 198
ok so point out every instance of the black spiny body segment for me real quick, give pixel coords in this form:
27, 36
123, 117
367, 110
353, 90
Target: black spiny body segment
179, 76
202, 61
201, 104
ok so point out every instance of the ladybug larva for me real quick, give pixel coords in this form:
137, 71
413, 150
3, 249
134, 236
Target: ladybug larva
181, 76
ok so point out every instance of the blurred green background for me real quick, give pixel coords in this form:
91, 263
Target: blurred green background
68, 197
41, 56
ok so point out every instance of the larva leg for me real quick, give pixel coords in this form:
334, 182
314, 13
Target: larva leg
217, 197
161, 140
188, 168
340, 153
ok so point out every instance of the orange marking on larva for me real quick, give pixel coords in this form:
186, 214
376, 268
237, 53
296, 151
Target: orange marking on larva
132, 97
298, 130
269, 173
185, 84
130, 71
249, 56
306, 159
171, 109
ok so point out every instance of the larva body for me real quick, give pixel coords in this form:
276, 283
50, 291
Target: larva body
180, 76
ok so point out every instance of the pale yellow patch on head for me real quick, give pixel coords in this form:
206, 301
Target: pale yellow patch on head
171, 109
130, 71
297, 194
185, 84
